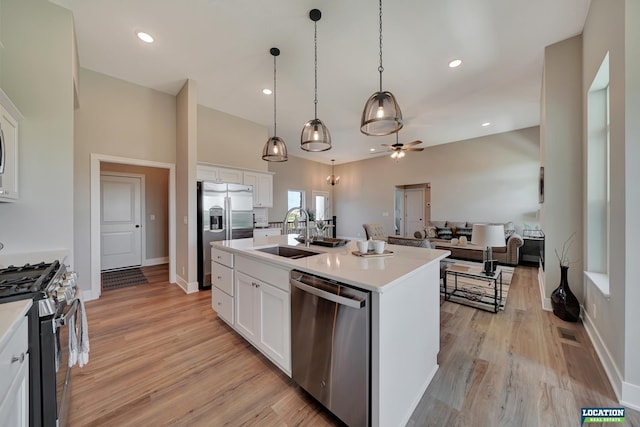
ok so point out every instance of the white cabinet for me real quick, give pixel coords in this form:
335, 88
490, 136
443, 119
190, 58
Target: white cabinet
14, 371
263, 317
262, 188
218, 174
222, 289
9, 118
264, 232
230, 176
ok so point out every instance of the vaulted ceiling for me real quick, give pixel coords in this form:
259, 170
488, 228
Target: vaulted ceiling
224, 45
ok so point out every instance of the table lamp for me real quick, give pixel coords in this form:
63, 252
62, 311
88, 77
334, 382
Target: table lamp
488, 236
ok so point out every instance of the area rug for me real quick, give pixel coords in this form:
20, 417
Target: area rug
477, 292
122, 278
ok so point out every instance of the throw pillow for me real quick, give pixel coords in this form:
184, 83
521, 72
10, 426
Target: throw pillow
444, 233
464, 231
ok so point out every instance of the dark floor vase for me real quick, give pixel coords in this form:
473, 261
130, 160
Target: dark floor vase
564, 302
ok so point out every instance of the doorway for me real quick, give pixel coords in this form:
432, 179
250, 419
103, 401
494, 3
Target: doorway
96, 241
121, 215
412, 208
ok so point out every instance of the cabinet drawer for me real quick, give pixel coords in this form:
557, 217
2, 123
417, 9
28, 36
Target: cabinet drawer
16, 348
222, 277
222, 304
223, 257
275, 276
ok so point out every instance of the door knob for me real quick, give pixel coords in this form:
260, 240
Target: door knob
137, 226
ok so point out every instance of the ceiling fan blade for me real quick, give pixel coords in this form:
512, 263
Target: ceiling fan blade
414, 143
413, 149
387, 145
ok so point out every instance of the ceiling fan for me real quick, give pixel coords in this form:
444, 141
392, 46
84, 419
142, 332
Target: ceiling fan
397, 150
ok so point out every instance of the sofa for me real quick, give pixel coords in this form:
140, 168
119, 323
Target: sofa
447, 234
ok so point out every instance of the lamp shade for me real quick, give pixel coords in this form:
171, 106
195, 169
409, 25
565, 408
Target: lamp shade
381, 115
488, 235
275, 150
315, 136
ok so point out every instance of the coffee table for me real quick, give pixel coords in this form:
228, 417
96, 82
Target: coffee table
474, 288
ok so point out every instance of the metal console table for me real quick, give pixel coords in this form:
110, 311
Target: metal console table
479, 290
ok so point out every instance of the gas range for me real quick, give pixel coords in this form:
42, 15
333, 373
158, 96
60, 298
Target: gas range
26, 281
54, 293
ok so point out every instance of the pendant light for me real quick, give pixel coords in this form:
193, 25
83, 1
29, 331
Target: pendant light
275, 149
381, 114
333, 179
315, 135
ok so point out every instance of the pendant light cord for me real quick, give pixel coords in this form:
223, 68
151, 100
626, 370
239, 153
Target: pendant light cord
315, 66
380, 68
275, 130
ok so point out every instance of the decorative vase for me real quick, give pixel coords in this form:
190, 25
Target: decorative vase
564, 302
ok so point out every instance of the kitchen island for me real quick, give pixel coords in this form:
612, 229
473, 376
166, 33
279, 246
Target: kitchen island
405, 312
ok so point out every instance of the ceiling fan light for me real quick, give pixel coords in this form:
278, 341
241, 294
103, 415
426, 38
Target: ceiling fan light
315, 136
381, 115
275, 150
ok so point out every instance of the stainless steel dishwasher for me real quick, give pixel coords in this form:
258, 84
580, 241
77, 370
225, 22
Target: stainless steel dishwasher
330, 345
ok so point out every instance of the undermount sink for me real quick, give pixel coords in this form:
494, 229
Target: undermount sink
288, 252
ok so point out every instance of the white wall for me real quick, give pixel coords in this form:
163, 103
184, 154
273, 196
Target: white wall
561, 127
604, 32
631, 393
121, 119
229, 140
186, 159
492, 178
37, 76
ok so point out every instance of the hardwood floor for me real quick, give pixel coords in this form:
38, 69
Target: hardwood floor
160, 357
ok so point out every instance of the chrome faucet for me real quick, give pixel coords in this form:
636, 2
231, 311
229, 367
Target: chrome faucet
306, 214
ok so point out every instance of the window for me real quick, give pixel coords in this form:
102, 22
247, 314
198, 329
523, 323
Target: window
295, 199
598, 174
321, 205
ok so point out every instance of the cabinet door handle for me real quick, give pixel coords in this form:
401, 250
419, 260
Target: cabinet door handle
219, 277
219, 303
257, 285
20, 359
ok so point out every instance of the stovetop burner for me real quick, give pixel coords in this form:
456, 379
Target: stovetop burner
26, 279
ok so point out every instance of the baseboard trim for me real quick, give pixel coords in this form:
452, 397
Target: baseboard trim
87, 295
544, 301
609, 365
188, 288
155, 261
631, 396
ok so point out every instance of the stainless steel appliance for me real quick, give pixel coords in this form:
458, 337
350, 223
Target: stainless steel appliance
330, 345
225, 212
54, 292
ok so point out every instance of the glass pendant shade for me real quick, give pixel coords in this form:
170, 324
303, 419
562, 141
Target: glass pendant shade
275, 150
381, 115
315, 136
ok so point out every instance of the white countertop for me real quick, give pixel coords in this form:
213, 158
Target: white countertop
10, 314
376, 274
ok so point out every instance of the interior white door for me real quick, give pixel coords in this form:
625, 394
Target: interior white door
413, 211
120, 216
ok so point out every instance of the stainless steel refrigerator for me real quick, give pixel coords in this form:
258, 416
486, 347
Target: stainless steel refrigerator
225, 212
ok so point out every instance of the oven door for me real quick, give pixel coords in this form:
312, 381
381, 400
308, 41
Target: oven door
56, 372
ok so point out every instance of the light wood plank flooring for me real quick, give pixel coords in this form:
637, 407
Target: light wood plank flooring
160, 357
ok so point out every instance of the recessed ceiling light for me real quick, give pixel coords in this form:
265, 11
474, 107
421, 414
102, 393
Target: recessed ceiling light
267, 91
455, 63
372, 149
145, 37
485, 124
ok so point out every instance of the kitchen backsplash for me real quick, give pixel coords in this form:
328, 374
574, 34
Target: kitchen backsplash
261, 216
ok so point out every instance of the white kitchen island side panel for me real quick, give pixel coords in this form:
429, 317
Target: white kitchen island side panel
405, 343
